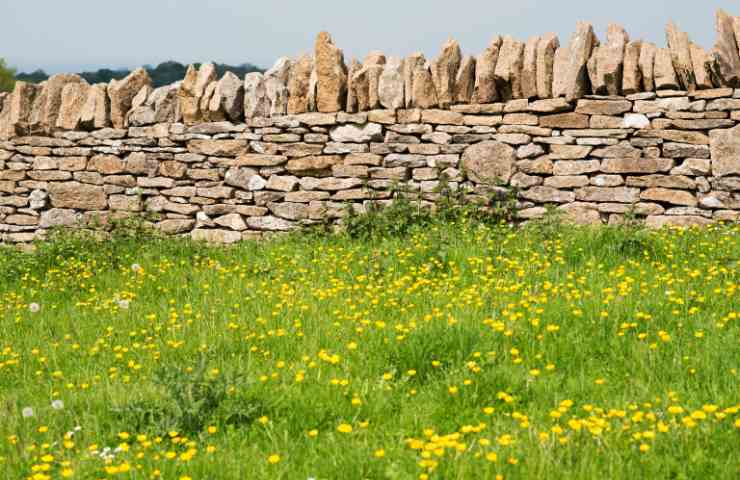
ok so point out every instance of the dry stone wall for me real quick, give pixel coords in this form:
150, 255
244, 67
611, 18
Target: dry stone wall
599, 130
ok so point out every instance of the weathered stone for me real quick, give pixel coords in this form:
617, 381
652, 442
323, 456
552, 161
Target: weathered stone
485, 82
444, 72
680, 136
560, 71
256, 103
313, 163
546, 49
59, 217
175, 226
632, 74
680, 48
299, 84
725, 152
352, 102
192, 90
610, 63
270, 223
365, 84
410, 65
636, 165
356, 134
615, 194
581, 213
581, 45
276, 86
542, 194
77, 196
122, 93
288, 210
685, 150
565, 120
665, 74
215, 236
665, 195
529, 68
489, 162
331, 93
369, 159
259, 160
95, 112
508, 72
603, 107
217, 148
664, 181
567, 181
74, 97
228, 98
239, 177
569, 152
16, 114
424, 93
576, 167
441, 117
391, 85
48, 103
706, 68
465, 81
647, 66
522, 180
106, 164
635, 120
726, 51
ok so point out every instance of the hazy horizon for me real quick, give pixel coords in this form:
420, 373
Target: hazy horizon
80, 36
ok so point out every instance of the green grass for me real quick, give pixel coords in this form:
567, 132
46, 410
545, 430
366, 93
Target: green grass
565, 352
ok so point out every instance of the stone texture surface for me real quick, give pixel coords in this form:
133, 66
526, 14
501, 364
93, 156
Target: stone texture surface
331, 72
610, 62
299, 85
680, 48
489, 162
576, 76
508, 72
485, 82
546, 49
726, 50
444, 72
224, 160
725, 152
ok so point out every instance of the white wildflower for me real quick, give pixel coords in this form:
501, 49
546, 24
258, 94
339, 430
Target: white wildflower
124, 304
34, 307
136, 267
27, 412
57, 405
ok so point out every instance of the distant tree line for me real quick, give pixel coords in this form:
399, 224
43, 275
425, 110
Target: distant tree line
163, 74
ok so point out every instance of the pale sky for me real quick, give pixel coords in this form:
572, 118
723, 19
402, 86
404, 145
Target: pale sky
73, 35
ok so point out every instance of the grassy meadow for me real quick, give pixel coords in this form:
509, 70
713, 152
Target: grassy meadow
453, 350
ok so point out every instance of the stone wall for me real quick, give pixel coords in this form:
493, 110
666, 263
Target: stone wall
599, 130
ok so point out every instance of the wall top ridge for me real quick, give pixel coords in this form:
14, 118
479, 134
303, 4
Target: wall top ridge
508, 69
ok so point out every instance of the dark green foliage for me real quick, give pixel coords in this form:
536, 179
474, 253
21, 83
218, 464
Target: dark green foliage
6, 77
405, 214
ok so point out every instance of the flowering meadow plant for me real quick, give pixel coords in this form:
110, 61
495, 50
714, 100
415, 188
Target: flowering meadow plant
456, 350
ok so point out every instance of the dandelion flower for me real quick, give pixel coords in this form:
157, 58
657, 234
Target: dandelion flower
273, 459
344, 428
